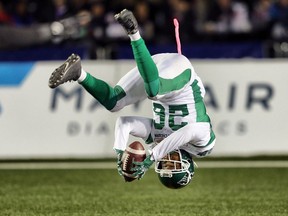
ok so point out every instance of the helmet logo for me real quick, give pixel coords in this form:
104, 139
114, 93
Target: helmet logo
185, 180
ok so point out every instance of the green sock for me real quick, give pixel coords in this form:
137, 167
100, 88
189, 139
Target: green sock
146, 67
104, 93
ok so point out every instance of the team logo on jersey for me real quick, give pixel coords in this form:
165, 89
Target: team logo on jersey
159, 136
158, 139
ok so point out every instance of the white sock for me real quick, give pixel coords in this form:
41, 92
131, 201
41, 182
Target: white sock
135, 37
82, 75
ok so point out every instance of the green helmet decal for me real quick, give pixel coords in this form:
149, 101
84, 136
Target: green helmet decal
175, 170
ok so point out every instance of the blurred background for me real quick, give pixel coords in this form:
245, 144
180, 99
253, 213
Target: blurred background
239, 49
257, 28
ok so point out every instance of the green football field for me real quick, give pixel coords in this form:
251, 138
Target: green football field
213, 191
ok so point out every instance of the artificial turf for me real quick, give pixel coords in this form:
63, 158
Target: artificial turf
213, 191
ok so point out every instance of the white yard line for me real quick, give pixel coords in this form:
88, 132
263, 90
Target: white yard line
112, 165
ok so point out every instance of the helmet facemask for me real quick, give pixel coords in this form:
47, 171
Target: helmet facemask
176, 169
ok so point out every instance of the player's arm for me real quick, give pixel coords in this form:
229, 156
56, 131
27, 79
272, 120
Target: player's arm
199, 135
126, 125
131, 125
174, 141
170, 143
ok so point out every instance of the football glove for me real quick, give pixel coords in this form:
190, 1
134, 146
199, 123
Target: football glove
119, 161
140, 168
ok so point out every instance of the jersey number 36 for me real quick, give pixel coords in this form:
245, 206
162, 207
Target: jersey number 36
175, 114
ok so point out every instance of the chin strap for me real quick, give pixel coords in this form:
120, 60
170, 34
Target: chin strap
176, 24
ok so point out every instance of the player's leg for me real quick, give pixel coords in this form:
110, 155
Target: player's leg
131, 125
129, 90
71, 70
145, 63
175, 72
102, 91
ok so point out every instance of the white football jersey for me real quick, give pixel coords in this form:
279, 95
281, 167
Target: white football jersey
178, 107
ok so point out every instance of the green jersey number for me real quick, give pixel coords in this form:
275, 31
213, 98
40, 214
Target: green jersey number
174, 112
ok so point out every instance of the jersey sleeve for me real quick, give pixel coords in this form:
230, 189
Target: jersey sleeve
131, 125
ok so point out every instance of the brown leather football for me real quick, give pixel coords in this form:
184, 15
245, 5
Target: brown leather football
134, 152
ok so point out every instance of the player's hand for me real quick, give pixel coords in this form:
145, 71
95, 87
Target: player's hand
140, 168
119, 161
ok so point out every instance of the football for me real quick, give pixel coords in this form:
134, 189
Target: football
134, 152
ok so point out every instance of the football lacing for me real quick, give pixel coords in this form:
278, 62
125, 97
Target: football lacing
126, 158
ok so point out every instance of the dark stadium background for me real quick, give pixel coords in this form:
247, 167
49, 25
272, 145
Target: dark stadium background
54, 28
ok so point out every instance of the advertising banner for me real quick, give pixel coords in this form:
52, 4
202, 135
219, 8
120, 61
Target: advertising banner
246, 100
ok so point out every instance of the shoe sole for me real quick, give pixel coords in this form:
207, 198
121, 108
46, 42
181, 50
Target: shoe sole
65, 72
127, 16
